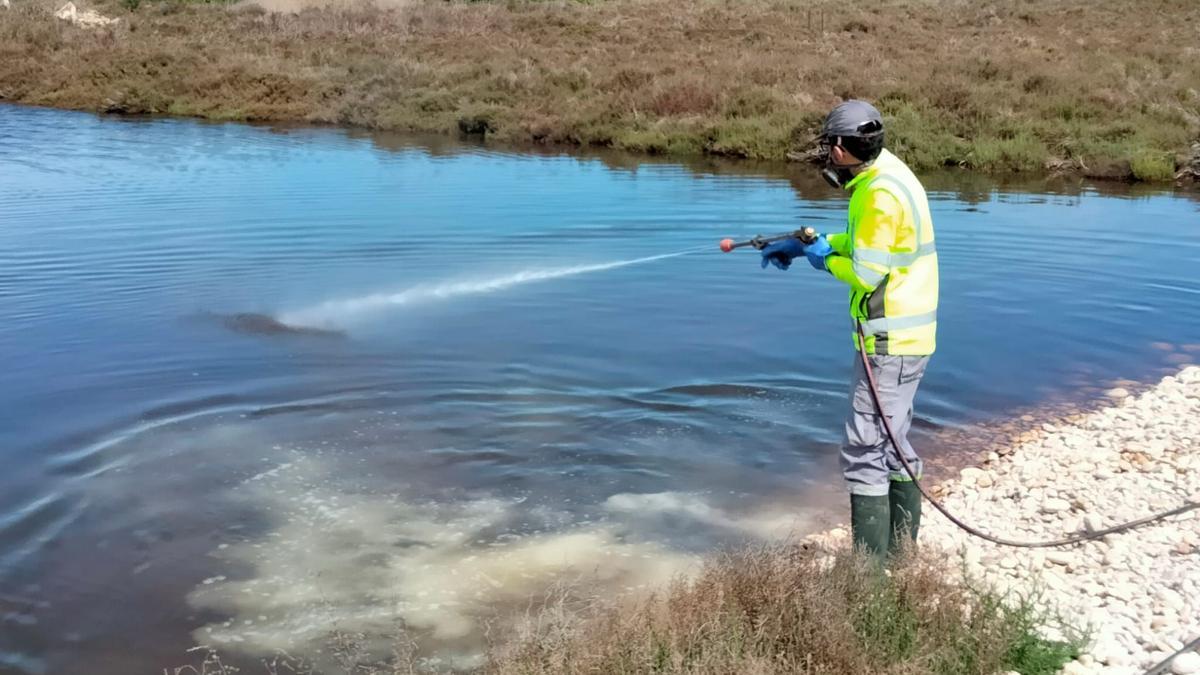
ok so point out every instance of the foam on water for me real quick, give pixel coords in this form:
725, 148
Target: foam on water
368, 563
337, 312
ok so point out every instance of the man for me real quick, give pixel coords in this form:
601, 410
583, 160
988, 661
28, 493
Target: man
887, 258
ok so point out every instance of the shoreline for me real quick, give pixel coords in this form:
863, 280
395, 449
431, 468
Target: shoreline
802, 175
656, 78
1137, 593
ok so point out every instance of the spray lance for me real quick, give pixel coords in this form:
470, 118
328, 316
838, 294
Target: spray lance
806, 235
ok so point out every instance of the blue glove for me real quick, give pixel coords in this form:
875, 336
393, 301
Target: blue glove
817, 251
780, 253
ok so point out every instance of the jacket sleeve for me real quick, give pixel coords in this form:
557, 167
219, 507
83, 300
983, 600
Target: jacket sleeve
839, 242
874, 236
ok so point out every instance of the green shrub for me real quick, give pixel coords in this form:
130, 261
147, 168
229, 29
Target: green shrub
1153, 166
1021, 153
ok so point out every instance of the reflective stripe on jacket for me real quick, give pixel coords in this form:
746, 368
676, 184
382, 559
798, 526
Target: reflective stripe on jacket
888, 258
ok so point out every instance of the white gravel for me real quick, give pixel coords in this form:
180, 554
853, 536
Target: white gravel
1139, 591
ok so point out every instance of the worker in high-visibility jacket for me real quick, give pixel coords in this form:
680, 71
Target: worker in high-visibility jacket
888, 259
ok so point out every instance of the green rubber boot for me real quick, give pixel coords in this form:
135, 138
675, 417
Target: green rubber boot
905, 500
871, 524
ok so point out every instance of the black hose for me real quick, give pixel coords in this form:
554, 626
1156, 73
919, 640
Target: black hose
1066, 541
1165, 665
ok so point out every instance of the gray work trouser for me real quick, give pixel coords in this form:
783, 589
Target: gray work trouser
869, 462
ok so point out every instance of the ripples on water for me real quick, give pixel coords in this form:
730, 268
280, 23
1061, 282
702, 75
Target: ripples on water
532, 386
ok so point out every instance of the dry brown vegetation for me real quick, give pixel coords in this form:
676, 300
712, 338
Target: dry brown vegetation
787, 609
1102, 87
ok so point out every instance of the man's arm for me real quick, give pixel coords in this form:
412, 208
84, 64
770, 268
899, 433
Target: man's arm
874, 237
840, 243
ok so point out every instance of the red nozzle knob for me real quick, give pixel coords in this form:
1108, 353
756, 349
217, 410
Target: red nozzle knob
727, 245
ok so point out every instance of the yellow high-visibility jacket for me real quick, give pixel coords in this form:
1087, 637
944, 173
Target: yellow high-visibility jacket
888, 258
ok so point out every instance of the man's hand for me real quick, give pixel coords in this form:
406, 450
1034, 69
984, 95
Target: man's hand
780, 253
817, 251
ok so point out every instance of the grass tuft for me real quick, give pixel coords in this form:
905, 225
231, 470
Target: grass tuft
1153, 166
784, 609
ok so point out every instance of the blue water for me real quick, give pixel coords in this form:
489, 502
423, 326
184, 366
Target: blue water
500, 386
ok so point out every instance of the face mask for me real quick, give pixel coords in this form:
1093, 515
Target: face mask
837, 176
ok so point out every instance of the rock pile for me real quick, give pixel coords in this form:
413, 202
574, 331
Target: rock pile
1138, 592
1190, 171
